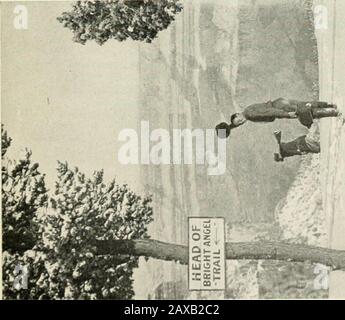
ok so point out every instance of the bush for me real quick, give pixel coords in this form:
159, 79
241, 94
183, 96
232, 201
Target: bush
56, 244
120, 20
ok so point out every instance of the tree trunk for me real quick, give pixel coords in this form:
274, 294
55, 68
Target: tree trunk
234, 251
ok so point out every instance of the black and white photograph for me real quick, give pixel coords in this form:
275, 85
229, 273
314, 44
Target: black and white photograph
173, 150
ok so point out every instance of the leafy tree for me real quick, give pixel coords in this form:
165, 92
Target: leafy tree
61, 255
23, 193
5, 142
139, 20
38, 278
85, 210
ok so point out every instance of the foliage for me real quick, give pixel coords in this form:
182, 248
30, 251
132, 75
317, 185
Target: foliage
86, 210
119, 19
63, 262
23, 193
38, 280
5, 141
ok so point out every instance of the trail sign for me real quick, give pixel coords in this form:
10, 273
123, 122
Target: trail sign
206, 269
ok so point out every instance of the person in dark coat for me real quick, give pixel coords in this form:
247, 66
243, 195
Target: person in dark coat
280, 108
300, 146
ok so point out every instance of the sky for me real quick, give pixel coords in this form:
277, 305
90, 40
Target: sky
63, 100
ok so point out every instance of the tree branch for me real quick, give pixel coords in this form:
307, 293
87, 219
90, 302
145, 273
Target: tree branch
260, 250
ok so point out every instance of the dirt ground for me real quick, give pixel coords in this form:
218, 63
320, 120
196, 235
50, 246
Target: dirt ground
331, 46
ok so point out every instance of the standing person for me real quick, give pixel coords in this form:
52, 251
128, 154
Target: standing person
301, 145
280, 108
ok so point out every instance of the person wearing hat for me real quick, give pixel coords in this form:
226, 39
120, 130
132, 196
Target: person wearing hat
280, 108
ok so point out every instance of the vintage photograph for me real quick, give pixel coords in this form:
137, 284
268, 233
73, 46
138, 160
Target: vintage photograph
173, 149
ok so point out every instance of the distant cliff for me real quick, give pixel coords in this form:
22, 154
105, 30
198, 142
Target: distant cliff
276, 60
